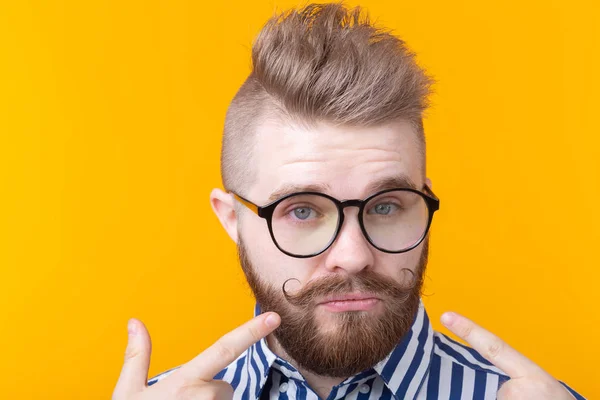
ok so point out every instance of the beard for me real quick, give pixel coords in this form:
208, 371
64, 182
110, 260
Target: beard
359, 339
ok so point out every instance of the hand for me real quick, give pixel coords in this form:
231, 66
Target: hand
528, 380
193, 380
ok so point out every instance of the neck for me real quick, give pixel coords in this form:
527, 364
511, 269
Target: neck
320, 384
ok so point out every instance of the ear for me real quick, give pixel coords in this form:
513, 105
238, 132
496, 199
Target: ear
428, 182
223, 206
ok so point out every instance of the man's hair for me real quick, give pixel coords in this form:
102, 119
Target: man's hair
322, 63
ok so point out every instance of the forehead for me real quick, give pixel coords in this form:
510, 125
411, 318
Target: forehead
343, 161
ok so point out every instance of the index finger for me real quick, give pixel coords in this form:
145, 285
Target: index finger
229, 347
490, 346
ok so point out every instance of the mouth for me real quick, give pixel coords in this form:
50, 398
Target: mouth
350, 302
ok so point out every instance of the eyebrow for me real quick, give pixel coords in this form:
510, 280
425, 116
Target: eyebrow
293, 188
399, 181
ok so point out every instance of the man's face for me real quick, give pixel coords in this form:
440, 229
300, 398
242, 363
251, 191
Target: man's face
345, 161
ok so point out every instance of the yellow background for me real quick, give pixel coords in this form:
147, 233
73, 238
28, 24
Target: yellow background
111, 115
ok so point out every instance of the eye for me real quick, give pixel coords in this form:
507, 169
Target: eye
383, 209
302, 213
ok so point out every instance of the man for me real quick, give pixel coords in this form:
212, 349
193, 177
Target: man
323, 163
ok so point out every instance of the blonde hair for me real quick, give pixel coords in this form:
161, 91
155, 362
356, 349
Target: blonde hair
323, 62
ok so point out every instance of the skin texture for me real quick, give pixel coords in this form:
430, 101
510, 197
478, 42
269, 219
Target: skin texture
347, 159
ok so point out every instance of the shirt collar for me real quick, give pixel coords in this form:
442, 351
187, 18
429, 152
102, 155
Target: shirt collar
403, 370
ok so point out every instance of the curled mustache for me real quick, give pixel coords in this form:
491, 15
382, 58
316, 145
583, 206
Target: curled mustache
365, 281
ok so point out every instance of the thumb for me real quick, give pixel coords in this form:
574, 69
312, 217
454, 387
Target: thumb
134, 374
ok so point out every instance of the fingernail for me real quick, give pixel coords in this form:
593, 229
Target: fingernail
131, 327
272, 320
448, 318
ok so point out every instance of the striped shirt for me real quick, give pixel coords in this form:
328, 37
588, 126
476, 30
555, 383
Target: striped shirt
424, 365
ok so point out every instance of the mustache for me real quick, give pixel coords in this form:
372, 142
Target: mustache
365, 281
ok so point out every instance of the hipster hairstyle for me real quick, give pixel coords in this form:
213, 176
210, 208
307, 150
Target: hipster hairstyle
322, 63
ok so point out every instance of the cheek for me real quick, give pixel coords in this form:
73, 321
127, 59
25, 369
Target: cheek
392, 264
272, 265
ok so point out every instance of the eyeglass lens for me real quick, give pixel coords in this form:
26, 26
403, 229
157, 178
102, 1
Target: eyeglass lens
305, 224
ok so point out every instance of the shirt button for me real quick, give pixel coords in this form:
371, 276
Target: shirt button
283, 387
364, 388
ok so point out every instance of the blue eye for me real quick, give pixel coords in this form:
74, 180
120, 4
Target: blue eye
383, 209
302, 213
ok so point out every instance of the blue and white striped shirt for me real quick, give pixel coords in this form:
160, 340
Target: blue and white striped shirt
424, 365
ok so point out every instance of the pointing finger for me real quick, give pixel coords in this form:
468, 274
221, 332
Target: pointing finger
229, 347
490, 346
134, 373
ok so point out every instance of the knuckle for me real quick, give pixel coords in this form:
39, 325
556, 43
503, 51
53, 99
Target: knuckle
494, 349
131, 352
224, 351
255, 333
466, 331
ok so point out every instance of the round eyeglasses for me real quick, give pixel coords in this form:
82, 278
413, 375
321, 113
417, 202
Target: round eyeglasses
305, 224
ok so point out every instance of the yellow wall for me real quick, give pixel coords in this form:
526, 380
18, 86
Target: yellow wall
110, 121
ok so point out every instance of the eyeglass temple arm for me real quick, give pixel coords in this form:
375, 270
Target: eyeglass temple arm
428, 190
253, 207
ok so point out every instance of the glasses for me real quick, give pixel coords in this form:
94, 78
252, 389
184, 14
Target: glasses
305, 224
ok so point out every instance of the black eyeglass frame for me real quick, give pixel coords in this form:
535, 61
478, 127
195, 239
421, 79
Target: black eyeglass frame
266, 212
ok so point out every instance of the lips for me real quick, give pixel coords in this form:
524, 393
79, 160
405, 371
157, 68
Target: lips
358, 303
350, 302
348, 297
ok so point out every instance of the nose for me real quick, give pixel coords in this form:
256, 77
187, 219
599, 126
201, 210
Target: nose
350, 251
